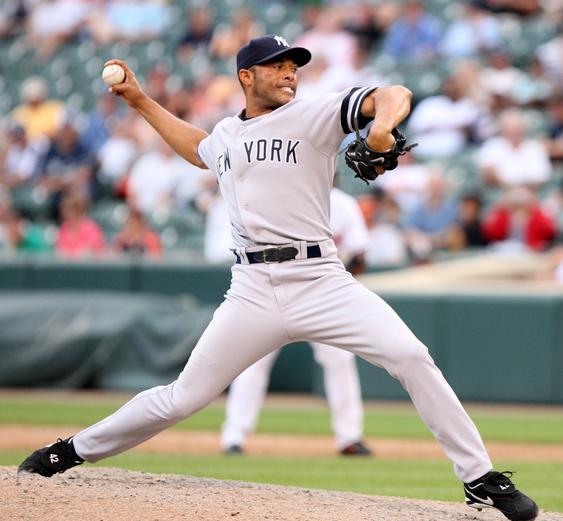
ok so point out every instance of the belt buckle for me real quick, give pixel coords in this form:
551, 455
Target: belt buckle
268, 260
278, 254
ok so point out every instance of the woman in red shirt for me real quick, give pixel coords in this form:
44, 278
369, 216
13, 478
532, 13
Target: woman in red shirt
519, 218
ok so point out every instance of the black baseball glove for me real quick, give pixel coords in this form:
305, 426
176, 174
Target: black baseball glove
363, 160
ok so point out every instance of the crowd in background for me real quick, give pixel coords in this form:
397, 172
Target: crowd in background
488, 171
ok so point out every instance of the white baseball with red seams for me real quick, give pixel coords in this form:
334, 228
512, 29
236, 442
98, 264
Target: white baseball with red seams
113, 74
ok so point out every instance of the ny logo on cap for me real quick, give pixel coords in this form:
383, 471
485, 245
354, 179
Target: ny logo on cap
281, 41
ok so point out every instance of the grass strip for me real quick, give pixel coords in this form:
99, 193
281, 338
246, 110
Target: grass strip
495, 426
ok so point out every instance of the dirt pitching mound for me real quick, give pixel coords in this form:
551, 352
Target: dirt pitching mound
104, 494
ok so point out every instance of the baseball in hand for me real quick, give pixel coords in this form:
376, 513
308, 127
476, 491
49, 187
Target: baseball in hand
113, 74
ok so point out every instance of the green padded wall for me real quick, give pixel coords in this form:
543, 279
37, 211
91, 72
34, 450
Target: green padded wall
55, 275
293, 370
13, 275
499, 346
490, 347
557, 350
207, 283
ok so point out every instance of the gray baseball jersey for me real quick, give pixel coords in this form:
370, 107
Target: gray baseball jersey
261, 163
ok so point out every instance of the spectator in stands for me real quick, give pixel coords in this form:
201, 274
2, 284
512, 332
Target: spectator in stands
467, 75
100, 121
535, 87
414, 36
550, 53
552, 10
137, 237
474, 33
428, 225
519, 7
156, 83
382, 215
137, 20
38, 115
116, 156
552, 205
140, 131
68, 166
512, 158
197, 35
318, 78
54, 22
18, 234
149, 192
328, 39
467, 232
368, 23
362, 72
146, 191
79, 236
518, 222
228, 39
309, 15
407, 185
5, 209
444, 124
19, 158
180, 102
220, 98
554, 141
13, 17
500, 79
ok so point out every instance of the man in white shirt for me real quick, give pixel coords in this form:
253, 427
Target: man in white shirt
512, 158
441, 124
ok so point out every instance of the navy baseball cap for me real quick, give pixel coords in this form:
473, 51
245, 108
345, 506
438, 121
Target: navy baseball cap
266, 48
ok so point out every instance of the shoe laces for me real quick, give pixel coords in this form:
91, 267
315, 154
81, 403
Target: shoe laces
501, 478
62, 444
499, 482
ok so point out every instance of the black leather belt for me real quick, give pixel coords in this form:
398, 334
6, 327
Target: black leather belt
279, 254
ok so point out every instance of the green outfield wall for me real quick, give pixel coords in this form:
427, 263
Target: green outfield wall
491, 347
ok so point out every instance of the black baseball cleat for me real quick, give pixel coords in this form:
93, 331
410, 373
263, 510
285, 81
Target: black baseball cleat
495, 490
234, 450
357, 448
52, 459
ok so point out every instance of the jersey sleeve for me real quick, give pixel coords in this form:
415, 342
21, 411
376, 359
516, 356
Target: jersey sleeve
331, 117
205, 152
350, 108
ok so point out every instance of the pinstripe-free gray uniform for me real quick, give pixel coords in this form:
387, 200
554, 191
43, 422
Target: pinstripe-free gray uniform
275, 172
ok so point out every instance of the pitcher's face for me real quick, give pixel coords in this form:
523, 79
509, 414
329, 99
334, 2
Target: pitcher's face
272, 84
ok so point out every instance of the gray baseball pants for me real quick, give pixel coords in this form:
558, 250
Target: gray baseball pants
270, 305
